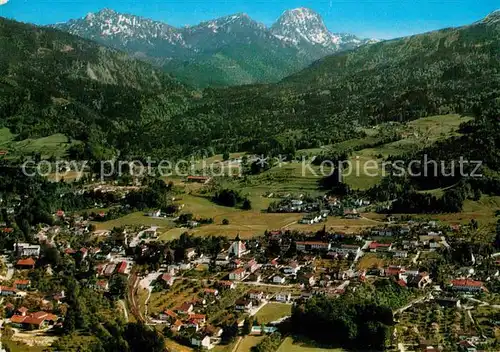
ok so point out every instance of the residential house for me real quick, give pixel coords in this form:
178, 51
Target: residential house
168, 315
380, 247
400, 254
237, 274
243, 304
252, 265
347, 249
256, 295
238, 248
467, 346
109, 269
177, 326
102, 285
22, 284
283, 297
419, 281
227, 285
122, 268
384, 232
394, 270
277, 279
307, 279
201, 341
36, 320
168, 279
292, 268
8, 291
28, 263
255, 276
351, 214
448, 302
235, 263
311, 219
185, 308
211, 292
200, 319
190, 253
307, 246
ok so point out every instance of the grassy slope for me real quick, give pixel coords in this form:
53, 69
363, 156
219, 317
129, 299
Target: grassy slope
289, 345
272, 312
421, 133
55, 145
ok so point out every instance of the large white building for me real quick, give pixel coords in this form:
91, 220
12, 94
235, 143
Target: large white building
27, 250
312, 246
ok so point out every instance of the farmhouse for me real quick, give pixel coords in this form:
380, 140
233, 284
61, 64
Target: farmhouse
351, 214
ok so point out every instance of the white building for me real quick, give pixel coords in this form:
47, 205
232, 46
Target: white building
283, 297
312, 245
27, 250
202, 342
278, 279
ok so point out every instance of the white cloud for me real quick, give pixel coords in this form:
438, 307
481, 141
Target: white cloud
3, 2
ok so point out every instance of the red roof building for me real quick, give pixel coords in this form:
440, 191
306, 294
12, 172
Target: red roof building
375, 246
28, 263
22, 284
467, 285
37, 320
122, 267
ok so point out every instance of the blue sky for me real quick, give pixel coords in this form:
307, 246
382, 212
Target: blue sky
368, 18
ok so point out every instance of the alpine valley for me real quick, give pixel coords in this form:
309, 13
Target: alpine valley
237, 188
231, 50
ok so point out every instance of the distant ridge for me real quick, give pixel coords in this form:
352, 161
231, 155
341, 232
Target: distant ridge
230, 50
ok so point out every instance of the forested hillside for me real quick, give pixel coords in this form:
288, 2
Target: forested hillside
452, 70
51, 81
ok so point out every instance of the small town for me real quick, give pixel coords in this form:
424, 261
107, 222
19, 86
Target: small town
208, 292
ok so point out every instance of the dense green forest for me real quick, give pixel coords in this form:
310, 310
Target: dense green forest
53, 82
357, 320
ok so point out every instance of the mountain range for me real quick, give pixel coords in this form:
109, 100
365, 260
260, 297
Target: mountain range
55, 82
231, 50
